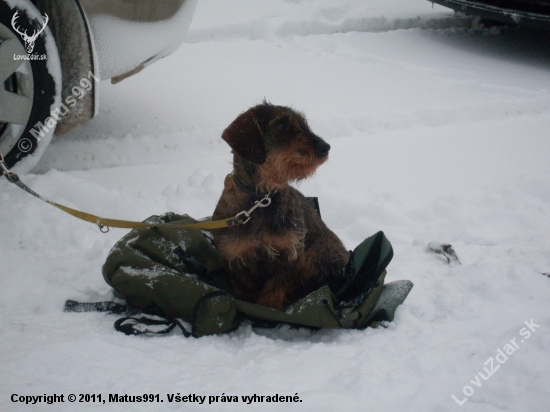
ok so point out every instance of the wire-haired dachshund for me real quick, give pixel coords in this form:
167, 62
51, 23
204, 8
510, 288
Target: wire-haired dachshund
284, 251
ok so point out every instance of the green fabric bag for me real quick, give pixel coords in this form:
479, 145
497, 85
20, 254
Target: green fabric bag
179, 272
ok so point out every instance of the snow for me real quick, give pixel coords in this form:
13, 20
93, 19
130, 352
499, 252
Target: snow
438, 134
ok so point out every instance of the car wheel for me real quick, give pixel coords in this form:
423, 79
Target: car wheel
30, 84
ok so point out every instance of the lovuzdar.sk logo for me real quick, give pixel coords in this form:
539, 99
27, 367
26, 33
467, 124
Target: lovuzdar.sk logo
29, 40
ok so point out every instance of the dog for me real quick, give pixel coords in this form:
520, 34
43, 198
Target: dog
285, 251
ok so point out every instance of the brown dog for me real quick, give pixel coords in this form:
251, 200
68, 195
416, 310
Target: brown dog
285, 251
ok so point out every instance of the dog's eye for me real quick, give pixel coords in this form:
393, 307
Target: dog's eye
281, 126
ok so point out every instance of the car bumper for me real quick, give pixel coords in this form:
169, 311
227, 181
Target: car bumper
130, 35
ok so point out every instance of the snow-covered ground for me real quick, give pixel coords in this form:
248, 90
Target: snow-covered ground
438, 133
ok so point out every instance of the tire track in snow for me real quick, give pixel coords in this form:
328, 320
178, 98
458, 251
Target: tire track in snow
102, 152
284, 28
436, 116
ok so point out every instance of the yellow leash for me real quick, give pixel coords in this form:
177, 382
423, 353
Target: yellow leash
239, 219
129, 224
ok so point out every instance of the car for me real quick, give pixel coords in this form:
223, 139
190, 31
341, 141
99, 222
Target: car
53, 53
524, 13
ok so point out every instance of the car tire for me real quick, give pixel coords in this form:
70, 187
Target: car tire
29, 89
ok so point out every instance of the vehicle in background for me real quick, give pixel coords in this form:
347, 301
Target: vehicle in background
53, 53
524, 13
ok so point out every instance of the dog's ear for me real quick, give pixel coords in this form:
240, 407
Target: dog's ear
245, 137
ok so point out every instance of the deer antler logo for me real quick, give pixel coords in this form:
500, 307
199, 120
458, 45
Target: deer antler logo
29, 40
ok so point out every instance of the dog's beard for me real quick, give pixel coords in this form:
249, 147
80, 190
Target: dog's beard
287, 166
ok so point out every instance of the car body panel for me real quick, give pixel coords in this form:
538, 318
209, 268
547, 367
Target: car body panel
129, 35
135, 10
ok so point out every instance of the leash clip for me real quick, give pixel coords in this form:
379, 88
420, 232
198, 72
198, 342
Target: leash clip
265, 202
102, 228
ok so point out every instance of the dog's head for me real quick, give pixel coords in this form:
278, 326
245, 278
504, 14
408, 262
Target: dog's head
278, 141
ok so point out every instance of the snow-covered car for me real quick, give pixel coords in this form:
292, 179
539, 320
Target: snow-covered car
525, 13
53, 52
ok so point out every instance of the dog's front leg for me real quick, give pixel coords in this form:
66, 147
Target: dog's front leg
285, 247
237, 250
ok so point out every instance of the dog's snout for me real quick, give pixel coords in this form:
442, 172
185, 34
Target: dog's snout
321, 147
